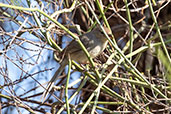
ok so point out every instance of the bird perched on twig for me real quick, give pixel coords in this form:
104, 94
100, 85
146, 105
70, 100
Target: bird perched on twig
94, 41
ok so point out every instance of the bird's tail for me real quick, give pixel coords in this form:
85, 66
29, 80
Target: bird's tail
52, 81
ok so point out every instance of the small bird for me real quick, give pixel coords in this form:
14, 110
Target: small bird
94, 41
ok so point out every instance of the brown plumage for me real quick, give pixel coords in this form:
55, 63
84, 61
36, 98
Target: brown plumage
95, 42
